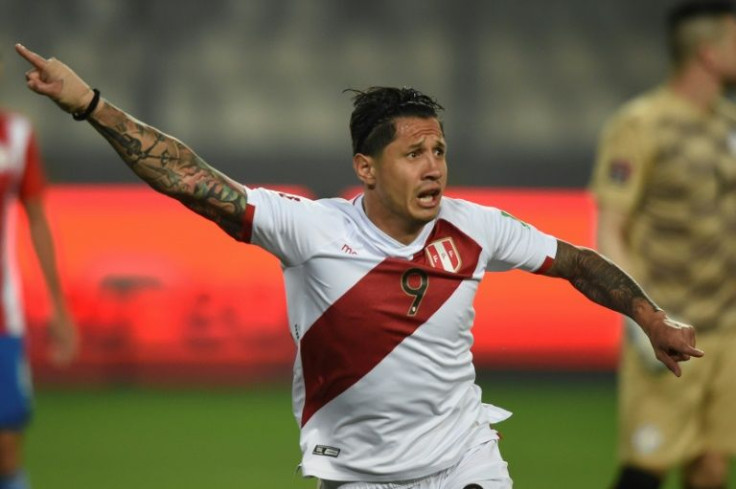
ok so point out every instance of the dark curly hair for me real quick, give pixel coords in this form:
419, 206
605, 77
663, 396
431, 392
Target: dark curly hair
374, 110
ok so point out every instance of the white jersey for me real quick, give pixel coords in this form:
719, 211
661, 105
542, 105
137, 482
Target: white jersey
384, 384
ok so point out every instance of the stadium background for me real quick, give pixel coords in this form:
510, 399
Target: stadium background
176, 385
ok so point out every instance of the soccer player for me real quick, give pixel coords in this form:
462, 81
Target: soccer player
21, 178
379, 288
665, 183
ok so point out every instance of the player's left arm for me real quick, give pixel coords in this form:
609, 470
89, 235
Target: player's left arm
62, 331
603, 282
166, 164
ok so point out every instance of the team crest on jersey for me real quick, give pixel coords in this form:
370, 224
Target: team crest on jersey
443, 254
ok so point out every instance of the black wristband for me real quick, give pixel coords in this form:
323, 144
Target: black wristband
80, 116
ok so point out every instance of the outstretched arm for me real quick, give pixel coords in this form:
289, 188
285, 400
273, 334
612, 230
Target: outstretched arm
605, 283
165, 163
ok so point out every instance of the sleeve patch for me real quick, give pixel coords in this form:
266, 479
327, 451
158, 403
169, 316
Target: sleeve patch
619, 171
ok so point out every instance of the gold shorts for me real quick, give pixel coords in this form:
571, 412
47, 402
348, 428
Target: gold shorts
665, 420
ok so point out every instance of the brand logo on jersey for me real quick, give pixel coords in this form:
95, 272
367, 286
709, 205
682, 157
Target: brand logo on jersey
347, 249
443, 254
326, 451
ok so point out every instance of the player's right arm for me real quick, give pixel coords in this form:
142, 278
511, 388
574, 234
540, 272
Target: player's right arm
162, 161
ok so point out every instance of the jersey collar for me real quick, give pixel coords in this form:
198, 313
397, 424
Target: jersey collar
386, 243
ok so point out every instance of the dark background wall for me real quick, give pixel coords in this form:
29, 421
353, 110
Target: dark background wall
256, 86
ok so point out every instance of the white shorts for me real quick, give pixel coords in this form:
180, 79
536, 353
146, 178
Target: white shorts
482, 467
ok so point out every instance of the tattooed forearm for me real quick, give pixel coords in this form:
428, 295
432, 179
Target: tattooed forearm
600, 280
172, 168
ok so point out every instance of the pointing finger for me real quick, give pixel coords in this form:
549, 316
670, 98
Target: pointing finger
36, 60
694, 352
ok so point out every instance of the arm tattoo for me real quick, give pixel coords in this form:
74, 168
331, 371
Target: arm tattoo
599, 279
172, 168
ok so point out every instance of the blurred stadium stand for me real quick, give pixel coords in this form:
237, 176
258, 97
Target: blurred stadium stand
256, 86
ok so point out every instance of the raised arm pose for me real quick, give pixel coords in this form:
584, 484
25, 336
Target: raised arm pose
380, 288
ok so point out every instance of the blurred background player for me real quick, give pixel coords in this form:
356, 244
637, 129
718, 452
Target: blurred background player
21, 178
665, 184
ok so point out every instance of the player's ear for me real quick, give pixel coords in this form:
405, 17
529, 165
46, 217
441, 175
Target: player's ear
364, 167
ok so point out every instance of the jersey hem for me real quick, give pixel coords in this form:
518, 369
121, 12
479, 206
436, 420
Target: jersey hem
359, 477
350, 476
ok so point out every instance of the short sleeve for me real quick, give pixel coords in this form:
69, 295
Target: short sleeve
624, 155
288, 226
516, 244
32, 181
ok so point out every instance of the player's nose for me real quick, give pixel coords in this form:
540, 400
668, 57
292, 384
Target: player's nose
434, 167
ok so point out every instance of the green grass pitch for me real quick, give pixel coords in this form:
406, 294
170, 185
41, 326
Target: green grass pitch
561, 436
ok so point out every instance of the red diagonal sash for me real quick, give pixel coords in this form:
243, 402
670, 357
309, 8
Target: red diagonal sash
364, 325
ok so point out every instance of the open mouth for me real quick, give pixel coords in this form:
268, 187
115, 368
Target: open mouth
429, 198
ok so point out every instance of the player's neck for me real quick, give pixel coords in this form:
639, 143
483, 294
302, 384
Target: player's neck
698, 86
395, 226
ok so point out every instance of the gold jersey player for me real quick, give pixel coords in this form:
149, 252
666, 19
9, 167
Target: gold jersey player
379, 289
665, 183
